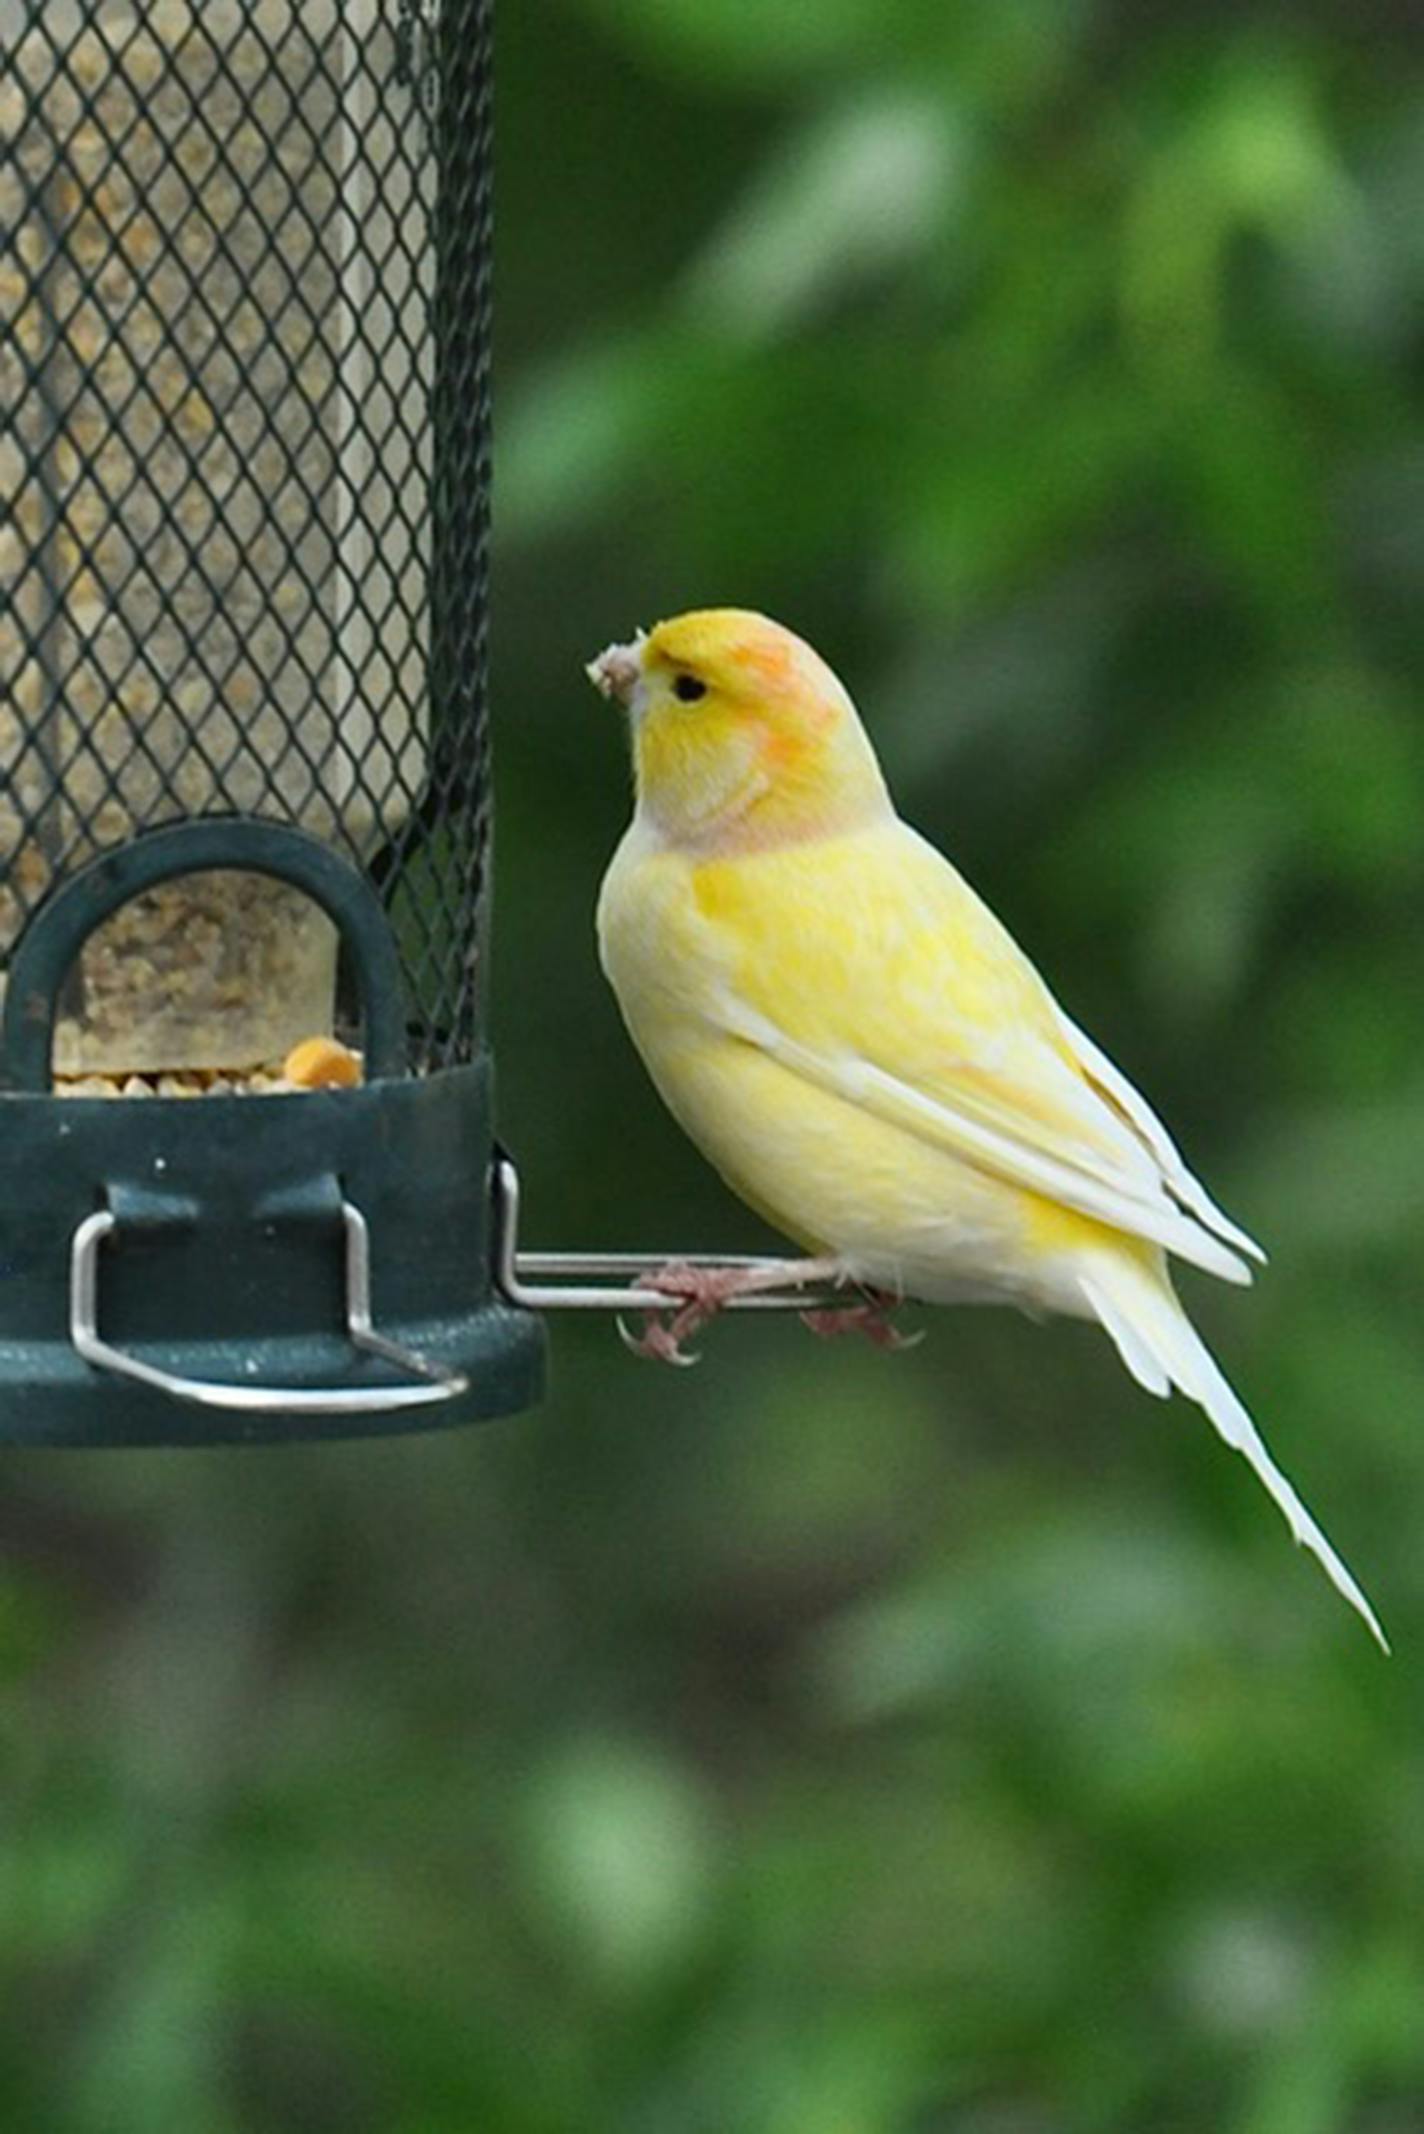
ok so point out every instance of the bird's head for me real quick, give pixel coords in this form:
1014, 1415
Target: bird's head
742, 736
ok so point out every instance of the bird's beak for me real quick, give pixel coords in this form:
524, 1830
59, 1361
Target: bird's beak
617, 672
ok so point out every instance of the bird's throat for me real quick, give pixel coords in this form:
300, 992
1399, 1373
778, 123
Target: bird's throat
759, 791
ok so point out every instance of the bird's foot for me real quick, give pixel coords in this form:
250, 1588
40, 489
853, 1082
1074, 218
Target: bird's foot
871, 1318
699, 1293
702, 1292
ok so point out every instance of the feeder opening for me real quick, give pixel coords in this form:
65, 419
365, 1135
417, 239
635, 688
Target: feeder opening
219, 974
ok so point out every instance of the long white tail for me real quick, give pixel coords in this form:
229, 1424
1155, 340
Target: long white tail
1162, 1349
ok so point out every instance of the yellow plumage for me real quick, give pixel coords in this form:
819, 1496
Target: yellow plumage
858, 1045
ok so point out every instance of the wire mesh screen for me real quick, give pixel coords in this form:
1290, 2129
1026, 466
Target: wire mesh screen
243, 344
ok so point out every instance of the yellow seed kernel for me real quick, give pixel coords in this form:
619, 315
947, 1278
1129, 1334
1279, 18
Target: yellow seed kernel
322, 1063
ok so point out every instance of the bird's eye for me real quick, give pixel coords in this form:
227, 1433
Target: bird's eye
687, 689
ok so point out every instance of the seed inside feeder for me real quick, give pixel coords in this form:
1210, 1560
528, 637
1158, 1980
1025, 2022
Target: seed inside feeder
316, 1063
203, 524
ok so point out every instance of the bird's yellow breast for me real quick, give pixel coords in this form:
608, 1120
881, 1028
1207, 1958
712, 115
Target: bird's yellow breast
824, 937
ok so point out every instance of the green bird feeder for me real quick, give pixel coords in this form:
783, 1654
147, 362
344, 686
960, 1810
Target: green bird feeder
244, 793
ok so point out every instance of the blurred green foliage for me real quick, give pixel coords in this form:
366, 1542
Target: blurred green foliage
827, 1743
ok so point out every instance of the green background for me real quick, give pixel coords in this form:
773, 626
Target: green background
822, 1742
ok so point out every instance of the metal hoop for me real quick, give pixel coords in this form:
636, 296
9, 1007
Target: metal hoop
437, 1383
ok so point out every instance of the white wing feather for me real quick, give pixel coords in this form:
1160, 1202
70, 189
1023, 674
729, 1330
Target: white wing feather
1140, 1115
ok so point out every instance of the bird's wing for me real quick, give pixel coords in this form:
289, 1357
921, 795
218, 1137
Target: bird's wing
897, 991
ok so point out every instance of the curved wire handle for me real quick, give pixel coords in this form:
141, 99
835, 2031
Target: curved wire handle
435, 1383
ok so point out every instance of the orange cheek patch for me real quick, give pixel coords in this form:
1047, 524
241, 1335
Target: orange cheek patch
779, 749
776, 750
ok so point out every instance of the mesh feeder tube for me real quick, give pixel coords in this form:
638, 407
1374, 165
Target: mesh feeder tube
244, 791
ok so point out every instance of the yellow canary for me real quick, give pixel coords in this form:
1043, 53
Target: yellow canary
860, 1048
